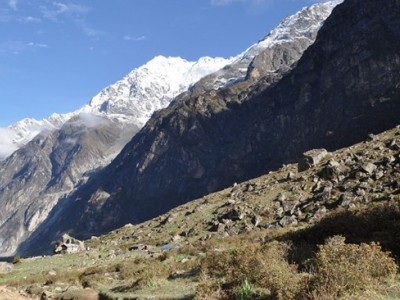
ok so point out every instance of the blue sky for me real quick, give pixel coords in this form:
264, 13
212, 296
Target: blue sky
56, 55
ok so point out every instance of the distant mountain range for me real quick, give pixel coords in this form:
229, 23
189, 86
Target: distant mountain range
56, 173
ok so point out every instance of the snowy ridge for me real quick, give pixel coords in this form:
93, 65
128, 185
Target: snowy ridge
28, 128
20, 133
303, 25
300, 25
151, 87
132, 99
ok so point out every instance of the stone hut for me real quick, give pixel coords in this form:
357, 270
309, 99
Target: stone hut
67, 244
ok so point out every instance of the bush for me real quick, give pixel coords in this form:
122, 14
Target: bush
347, 268
264, 266
16, 260
245, 291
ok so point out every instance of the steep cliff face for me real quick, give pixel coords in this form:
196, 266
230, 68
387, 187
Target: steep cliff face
345, 86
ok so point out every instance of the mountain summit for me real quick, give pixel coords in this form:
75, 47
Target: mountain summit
151, 87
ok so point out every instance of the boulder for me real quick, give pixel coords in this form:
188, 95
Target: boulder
290, 206
288, 220
368, 168
311, 158
46, 295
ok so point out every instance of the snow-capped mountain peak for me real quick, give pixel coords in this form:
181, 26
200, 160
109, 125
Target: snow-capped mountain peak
151, 87
300, 28
302, 25
132, 99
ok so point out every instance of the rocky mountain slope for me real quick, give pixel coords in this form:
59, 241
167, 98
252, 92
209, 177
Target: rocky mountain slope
91, 136
352, 192
344, 87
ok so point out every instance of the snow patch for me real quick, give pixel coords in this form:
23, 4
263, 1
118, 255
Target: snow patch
7, 145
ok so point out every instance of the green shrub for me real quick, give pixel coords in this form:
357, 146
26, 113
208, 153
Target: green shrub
264, 266
16, 259
347, 268
245, 291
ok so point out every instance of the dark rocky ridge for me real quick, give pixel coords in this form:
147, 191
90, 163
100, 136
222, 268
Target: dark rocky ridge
345, 86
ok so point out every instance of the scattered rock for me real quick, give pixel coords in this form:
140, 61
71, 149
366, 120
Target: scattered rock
280, 212
369, 168
176, 238
373, 137
290, 206
256, 220
360, 192
291, 176
46, 295
168, 219
184, 274
281, 197
141, 247
288, 220
320, 213
379, 174
394, 145
217, 227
